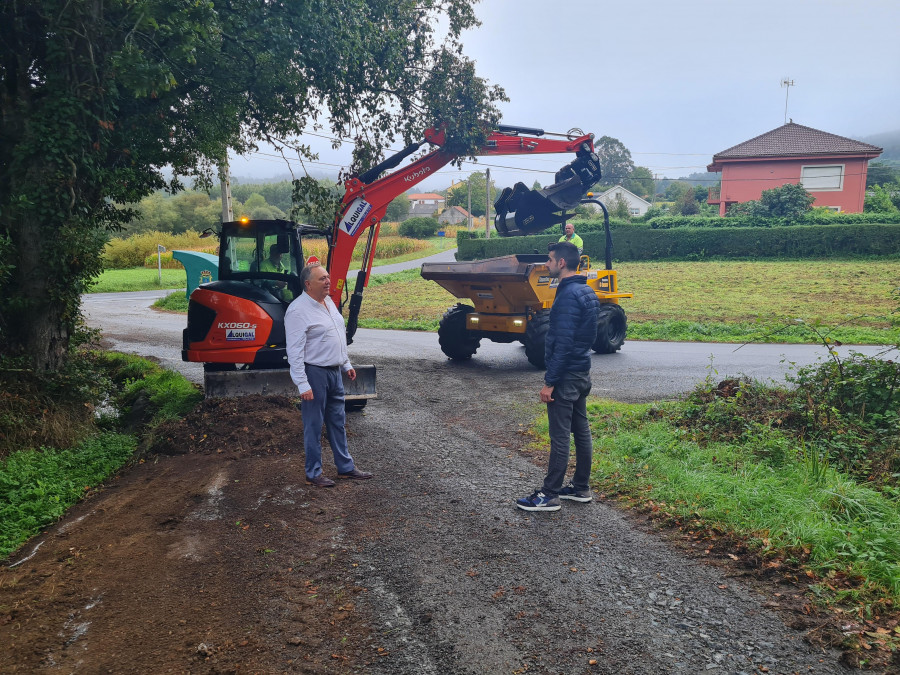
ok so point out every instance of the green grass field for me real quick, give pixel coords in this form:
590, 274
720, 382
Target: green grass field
703, 301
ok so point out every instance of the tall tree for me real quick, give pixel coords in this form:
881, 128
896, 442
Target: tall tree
398, 209
97, 97
789, 201
880, 173
641, 182
615, 160
687, 204
459, 194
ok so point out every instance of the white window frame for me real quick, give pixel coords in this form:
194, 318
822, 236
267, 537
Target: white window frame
635, 211
813, 188
836, 209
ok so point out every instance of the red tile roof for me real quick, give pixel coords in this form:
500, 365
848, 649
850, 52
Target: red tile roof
795, 139
426, 195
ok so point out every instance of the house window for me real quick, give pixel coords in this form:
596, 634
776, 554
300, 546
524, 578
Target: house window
635, 212
836, 209
821, 178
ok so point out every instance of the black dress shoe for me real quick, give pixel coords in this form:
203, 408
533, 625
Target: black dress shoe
356, 474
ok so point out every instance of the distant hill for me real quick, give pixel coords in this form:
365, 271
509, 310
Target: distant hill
890, 141
255, 180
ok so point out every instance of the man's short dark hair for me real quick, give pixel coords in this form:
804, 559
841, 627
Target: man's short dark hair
566, 251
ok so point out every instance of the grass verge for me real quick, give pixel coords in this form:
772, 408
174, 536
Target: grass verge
38, 483
800, 482
138, 279
797, 511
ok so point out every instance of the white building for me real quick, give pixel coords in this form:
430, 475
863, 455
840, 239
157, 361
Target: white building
636, 205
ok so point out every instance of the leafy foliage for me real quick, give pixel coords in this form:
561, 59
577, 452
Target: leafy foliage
615, 160
418, 228
398, 209
458, 195
880, 200
641, 182
640, 242
90, 115
789, 201
37, 486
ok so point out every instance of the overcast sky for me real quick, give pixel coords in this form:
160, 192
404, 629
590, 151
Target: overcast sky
676, 82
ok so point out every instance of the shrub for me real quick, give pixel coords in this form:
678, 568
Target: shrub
639, 242
418, 228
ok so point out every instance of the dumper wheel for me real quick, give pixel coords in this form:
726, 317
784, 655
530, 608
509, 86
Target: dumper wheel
611, 328
457, 342
536, 337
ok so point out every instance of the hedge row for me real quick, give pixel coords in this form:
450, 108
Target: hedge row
666, 222
645, 243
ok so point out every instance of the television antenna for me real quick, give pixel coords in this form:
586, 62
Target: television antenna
787, 83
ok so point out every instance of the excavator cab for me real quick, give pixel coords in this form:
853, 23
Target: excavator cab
265, 253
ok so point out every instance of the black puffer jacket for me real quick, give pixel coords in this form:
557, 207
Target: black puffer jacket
573, 329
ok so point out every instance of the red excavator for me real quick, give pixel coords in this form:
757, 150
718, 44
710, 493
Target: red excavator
236, 324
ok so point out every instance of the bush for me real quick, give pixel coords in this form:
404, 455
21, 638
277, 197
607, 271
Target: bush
639, 242
418, 228
813, 217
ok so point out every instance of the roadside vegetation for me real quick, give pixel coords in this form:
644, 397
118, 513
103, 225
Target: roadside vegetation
63, 435
800, 481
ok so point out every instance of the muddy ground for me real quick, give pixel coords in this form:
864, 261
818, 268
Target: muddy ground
213, 556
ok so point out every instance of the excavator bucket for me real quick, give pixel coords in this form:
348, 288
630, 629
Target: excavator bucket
521, 211
277, 382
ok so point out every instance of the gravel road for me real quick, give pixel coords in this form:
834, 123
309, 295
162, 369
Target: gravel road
459, 581
462, 582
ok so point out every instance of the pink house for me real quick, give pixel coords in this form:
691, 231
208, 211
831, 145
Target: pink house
831, 168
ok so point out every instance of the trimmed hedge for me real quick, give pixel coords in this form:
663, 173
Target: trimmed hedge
666, 222
635, 242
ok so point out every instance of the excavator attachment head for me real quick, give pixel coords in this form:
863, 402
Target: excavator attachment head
521, 211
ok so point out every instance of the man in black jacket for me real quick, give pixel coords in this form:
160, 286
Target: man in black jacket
567, 382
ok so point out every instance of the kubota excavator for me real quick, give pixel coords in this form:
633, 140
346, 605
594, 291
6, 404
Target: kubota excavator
236, 324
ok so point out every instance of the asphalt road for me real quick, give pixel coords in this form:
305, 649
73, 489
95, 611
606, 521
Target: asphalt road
642, 371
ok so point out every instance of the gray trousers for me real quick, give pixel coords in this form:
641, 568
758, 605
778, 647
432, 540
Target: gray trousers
327, 406
567, 416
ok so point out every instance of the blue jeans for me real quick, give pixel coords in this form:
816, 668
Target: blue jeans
328, 406
567, 416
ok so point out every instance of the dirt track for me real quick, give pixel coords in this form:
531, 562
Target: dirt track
221, 559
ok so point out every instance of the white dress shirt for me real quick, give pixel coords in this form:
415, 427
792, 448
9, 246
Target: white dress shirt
315, 334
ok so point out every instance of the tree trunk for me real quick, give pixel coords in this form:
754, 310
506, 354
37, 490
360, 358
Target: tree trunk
36, 327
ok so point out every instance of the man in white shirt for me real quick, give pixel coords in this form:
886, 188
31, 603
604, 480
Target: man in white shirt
317, 353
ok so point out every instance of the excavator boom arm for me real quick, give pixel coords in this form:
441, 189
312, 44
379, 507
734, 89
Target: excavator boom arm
365, 203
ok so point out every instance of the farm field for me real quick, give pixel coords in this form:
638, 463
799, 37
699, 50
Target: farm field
707, 301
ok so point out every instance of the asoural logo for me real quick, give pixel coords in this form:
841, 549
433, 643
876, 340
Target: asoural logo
418, 174
355, 216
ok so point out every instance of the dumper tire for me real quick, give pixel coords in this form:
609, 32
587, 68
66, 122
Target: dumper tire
536, 338
456, 341
354, 405
611, 329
